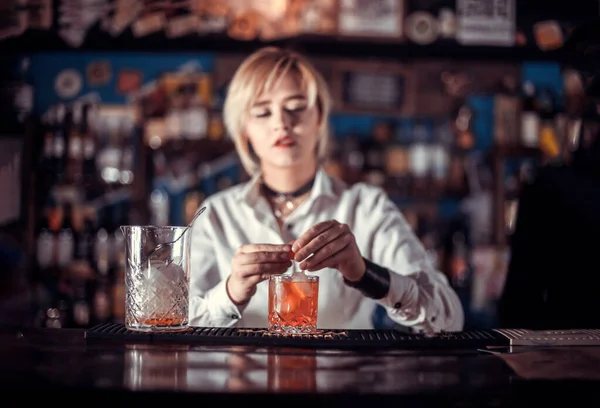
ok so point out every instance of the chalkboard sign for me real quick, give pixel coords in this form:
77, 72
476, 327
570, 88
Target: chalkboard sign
374, 88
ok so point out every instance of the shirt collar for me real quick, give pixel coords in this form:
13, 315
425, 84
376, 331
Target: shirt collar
250, 193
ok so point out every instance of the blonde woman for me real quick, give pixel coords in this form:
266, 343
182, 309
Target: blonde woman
363, 251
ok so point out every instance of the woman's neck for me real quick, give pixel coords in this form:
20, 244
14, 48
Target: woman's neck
289, 179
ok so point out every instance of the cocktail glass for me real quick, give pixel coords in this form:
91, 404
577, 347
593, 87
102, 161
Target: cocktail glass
293, 303
156, 286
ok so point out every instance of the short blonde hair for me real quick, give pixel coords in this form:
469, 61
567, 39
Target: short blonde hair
259, 72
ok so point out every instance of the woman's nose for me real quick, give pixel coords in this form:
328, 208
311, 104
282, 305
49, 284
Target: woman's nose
280, 120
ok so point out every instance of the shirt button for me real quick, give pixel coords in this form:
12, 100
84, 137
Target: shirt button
235, 317
397, 305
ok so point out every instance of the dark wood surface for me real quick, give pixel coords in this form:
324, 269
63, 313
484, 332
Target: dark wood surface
62, 366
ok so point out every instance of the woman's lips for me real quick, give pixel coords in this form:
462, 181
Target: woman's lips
285, 142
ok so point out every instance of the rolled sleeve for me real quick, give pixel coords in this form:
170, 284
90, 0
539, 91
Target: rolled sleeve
419, 295
423, 303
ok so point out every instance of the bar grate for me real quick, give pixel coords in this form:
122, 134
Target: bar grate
551, 338
380, 339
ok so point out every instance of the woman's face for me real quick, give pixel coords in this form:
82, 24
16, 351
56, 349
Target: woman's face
282, 128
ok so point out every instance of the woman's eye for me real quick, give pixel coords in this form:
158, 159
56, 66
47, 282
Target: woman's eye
295, 109
260, 114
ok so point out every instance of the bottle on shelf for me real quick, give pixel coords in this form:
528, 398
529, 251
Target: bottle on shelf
75, 146
548, 138
353, 159
419, 158
397, 159
375, 148
47, 160
44, 255
59, 142
507, 111
88, 143
66, 239
465, 138
439, 156
530, 118
457, 264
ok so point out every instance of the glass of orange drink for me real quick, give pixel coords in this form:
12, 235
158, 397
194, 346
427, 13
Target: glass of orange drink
293, 303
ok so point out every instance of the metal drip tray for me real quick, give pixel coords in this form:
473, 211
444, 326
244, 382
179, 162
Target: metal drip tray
378, 339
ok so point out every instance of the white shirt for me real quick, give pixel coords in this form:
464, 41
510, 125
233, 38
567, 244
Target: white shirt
419, 296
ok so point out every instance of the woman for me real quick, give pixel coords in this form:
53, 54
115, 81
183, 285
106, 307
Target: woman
362, 249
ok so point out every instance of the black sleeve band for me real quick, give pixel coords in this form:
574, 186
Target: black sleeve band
375, 283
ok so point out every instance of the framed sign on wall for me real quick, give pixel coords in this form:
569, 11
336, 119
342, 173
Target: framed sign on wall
372, 87
381, 19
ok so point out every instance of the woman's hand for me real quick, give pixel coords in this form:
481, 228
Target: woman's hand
332, 245
252, 264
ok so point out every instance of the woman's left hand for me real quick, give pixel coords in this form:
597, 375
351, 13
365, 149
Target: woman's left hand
332, 245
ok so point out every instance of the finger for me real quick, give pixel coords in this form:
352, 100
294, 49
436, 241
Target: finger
264, 270
332, 261
256, 279
249, 248
328, 251
262, 257
313, 232
319, 241
291, 253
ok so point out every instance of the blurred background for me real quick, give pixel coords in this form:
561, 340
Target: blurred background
111, 114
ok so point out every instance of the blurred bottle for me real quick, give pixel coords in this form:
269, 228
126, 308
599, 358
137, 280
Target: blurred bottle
353, 159
88, 144
159, 207
439, 156
375, 148
75, 145
102, 248
59, 144
507, 111
17, 94
548, 139
81, 310
398, 160
465, 139
44, 257
530, 119
457, 257
66, 239
47, 162
419, 158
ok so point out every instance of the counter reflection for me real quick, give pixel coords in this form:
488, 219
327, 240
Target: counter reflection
288, 370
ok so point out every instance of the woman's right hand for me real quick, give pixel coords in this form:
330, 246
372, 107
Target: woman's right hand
252, 264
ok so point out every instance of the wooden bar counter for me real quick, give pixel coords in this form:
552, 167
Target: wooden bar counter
68, 367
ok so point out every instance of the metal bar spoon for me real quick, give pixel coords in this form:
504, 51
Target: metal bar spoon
163, 250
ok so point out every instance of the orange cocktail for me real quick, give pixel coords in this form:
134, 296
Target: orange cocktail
293, 303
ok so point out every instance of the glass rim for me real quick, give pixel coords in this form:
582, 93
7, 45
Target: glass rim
156, 227
283, 276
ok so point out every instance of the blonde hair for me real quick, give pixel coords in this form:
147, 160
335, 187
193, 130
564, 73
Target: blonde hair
259, 72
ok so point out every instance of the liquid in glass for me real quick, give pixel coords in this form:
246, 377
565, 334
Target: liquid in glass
293, 303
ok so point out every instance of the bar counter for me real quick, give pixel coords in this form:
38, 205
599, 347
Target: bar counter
55, 365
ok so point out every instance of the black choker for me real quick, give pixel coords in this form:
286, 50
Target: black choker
288, 196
